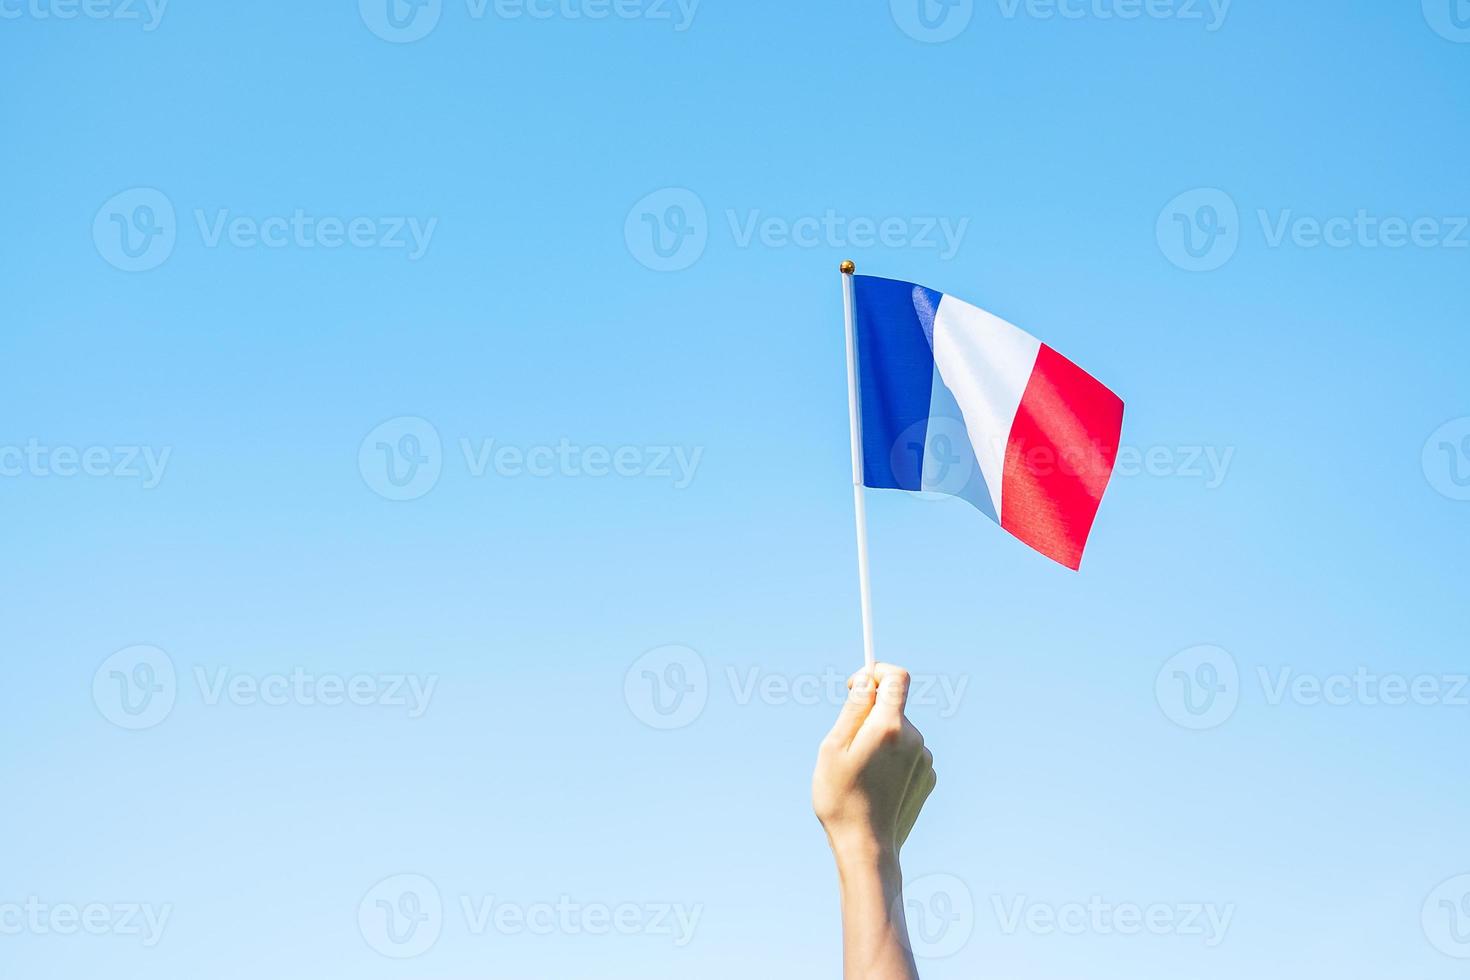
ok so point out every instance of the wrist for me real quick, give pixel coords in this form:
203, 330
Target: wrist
862, 849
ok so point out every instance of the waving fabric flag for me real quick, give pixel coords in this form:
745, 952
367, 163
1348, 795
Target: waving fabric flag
955, 400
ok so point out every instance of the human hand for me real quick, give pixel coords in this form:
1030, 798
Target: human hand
873, 771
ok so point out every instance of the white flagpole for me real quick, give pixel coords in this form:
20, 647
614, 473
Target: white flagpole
859, 503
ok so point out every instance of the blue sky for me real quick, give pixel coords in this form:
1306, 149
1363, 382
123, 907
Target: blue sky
429, 526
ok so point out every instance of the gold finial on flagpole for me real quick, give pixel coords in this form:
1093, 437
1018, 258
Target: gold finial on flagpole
848, 267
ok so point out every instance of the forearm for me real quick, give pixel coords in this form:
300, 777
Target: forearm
875, 943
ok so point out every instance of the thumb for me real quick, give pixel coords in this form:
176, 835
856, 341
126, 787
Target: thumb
861, 694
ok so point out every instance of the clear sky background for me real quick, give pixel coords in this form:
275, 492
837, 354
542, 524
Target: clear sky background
1139, 192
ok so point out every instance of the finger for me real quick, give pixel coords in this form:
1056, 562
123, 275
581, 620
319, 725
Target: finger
923, 785
860, 695
893, 692
886, 728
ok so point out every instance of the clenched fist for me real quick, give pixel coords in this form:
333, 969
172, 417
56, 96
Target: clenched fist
873, 770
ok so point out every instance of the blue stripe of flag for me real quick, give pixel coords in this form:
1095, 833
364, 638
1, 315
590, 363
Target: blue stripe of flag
895, 341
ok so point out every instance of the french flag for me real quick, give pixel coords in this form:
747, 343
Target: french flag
956, 400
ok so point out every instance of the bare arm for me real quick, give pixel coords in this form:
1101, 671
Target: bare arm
872, 778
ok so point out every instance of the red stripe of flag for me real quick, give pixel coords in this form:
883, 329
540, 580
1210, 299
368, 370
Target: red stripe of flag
1060, 454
